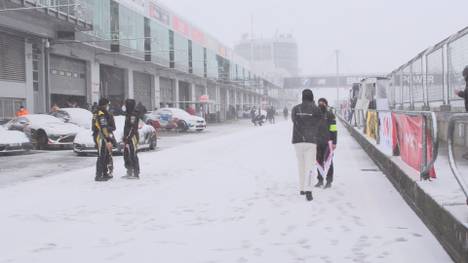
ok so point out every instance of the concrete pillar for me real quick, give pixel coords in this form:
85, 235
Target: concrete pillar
241, 102
192, 94
94, 80
129, 84
157, 92
29, 95
235, 98
176, 94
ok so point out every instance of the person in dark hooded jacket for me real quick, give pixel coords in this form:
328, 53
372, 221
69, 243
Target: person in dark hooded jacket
305, 118
131, 139
464, 93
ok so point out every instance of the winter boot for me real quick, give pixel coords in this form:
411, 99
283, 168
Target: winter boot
302, 193
107, 177
328, 185
129, 174
319, 184
98, 178
309, 196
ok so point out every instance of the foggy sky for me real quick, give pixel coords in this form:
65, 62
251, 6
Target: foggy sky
372, 35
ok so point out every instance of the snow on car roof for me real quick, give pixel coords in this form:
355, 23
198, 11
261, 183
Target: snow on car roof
82, 117
174, 111
42, 118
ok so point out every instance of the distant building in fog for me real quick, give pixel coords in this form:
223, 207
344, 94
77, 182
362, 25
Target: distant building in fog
273, 56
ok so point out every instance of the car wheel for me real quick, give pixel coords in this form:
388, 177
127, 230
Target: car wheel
41, 140
153, 143
183, 127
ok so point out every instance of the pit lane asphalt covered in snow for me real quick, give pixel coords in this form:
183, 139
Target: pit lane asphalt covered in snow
229, 199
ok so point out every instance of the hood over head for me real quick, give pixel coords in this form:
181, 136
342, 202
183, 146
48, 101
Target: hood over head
130, 105
307, 95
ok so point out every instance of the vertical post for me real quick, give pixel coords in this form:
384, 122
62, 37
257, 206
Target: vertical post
424, 80
411, 87
424, 148
446, 82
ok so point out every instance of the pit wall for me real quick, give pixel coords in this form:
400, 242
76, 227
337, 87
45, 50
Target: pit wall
451, 233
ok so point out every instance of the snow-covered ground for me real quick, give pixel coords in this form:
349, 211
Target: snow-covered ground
18, 168
233, 198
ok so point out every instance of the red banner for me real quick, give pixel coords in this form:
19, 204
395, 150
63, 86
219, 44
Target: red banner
180, 26
410, 143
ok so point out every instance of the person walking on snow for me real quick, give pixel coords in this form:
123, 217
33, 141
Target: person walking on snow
131, 139
285, 113
326, 139
305, 118
103, 126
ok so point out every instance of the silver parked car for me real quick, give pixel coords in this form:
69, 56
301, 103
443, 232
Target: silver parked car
13, 141
45, 131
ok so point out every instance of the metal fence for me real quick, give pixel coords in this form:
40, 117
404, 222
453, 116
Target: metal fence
430, 79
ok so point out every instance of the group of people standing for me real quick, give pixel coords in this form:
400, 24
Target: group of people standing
103, 126
314, 140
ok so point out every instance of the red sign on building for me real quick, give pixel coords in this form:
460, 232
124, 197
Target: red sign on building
180, 26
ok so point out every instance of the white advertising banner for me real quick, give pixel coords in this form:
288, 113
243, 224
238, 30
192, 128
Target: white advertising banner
386, 132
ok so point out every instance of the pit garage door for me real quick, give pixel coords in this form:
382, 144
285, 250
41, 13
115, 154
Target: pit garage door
142, 89
67, 79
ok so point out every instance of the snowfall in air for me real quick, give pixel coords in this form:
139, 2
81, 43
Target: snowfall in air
232, 198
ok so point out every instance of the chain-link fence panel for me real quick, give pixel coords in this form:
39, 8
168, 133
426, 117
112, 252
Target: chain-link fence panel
398, 88
417, 80
406, 82
391, 90
435, 75
457, 60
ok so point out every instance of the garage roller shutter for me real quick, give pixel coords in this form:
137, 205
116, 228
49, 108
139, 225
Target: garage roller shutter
12, 58
67, 76
142, 88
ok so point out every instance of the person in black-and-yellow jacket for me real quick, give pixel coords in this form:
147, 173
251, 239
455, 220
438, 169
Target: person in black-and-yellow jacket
103, 126
326, 132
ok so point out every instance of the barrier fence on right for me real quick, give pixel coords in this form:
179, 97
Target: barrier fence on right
405, 145
411, 135
429, 80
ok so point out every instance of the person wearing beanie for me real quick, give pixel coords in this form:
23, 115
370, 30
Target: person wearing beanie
305, 118
464, 93
131, 139
326, 143
103, 126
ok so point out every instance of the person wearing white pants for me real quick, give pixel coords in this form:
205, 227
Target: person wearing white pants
306, 118
306, 154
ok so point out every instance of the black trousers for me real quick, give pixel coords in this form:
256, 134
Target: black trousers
322, 150
131, 157
104, 163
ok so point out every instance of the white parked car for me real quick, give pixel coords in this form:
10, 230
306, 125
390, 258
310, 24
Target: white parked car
14, 141
45, 131
184, 121
77, 116
84, 141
